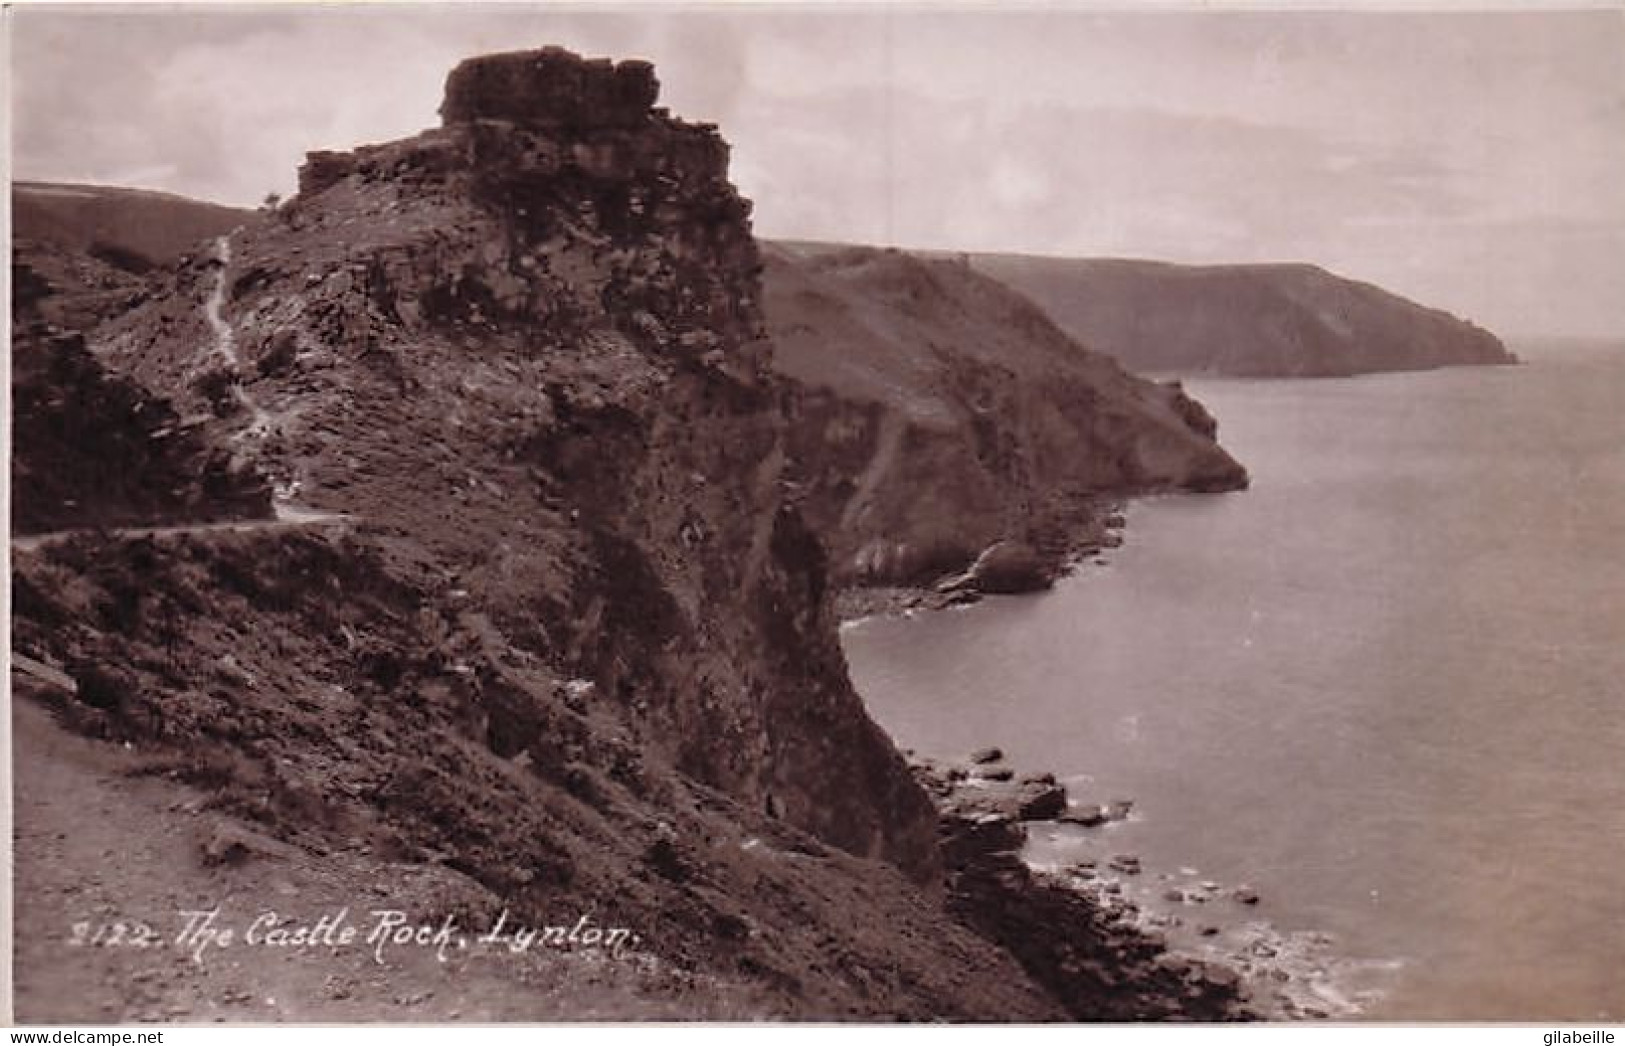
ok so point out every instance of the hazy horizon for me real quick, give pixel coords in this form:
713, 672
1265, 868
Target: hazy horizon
1473, 162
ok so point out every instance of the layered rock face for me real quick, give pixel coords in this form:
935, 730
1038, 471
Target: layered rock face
1246, 320
943, 421
531, 341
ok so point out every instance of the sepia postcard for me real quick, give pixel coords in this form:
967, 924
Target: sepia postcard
925, 512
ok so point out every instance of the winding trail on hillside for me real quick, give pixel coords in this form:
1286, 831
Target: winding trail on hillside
225, 343
888, 443
286, 514
264, 422
81, 870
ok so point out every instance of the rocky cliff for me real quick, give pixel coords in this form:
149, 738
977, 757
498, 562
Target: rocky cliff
574, 635
1246, 320
132, 229
939, 414
529, 344
546, 622
932, 413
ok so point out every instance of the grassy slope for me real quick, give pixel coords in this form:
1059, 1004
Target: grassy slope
1253, 320
134, 229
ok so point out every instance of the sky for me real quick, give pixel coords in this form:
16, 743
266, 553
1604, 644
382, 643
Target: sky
1471, 160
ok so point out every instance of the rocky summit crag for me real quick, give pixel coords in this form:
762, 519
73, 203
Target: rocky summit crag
540, 611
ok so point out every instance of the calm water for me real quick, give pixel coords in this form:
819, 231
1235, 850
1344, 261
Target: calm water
1386, 686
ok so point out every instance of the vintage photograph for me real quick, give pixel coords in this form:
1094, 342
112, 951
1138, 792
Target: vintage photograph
873, 512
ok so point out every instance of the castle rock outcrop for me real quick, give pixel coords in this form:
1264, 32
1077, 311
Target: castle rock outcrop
532, 340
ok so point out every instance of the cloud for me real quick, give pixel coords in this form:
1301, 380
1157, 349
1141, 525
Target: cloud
1188, 134
1068, 179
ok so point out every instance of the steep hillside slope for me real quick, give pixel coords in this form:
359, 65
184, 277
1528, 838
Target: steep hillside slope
571, 646
543, 639
132, 229
525, 346
91, 448
1244, 320
941, 413
934, 413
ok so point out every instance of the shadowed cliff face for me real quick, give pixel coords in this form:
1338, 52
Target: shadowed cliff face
1284, 321
529, 345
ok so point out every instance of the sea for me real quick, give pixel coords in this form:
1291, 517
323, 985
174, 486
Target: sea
1384, 688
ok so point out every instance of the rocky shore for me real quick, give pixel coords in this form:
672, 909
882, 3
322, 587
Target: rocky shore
1075, 936
575, 643
1037, 871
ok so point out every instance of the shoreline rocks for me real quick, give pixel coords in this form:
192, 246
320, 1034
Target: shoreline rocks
1094, 815
1111, 938
1085, 947
1005, 568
